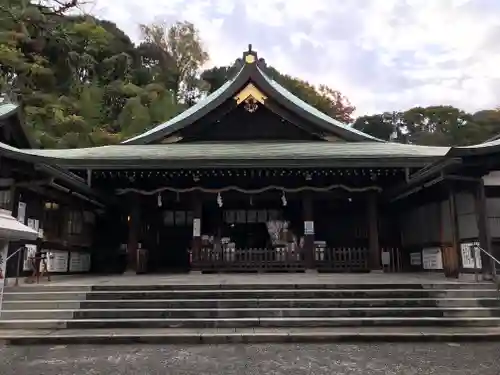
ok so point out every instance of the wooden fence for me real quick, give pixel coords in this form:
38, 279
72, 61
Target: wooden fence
338, 259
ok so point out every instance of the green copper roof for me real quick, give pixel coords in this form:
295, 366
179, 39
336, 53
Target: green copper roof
254, 71
184, 115
235, 154
313, 111
7, 108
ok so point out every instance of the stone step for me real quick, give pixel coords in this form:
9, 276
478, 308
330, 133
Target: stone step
291, 294
249, 335
291, 286
280, 322
249, 313
41, 305
37, 296
285, 302
54, 288
248, 303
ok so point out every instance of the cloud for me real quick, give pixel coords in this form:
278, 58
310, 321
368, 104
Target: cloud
384, 55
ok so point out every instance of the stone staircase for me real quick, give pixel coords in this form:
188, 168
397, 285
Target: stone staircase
249, 313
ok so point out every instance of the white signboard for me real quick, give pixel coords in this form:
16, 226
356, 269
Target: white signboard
432, 258
21, 212
29, 256
467, 250
57, 261
308, 227
416, 259
196, 227
386, 258
4, 249
79, 262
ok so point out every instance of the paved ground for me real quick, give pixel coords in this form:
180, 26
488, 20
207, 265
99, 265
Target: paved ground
216, 279
366, 359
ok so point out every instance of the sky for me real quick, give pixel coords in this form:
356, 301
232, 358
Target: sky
384, 55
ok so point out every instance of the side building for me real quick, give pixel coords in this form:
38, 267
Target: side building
252, 178
57, 203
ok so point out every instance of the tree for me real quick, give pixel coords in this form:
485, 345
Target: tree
433, 125
176, 54
384, 126
78, 79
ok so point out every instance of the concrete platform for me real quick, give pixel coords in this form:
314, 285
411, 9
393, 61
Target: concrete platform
251, 278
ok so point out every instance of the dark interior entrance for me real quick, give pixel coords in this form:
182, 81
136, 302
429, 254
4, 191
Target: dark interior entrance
169, 235
242, 219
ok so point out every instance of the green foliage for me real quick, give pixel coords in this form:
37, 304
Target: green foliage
82, 82
432, 126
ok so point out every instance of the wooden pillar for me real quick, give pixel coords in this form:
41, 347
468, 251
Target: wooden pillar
483, 228
196, 243
451, 254
134, 227
373, 240
308, 249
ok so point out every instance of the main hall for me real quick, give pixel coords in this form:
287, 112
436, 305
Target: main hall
252, 179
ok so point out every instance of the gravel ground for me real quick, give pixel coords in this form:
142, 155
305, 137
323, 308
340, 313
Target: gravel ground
366, 359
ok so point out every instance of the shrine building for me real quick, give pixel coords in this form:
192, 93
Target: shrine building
252, 179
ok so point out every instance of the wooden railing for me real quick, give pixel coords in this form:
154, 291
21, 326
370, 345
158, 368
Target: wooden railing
227, 260
336, 259
341, 259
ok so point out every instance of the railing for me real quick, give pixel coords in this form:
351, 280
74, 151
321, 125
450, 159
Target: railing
16, 283
4, 282
341, 259
255, 259
494, 263
337, 259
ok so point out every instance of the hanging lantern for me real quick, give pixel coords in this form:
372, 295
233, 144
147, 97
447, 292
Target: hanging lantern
159, 200
251, 200
219, 200
283, 199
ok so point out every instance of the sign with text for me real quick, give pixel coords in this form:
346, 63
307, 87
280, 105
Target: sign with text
416, 259
470, 251
432, 258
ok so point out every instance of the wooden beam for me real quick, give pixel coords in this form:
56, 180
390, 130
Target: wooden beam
134, 227
483, 228
308, 249
197, 203
451, 253
373, 235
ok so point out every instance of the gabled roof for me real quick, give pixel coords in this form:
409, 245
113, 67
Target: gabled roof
252, 69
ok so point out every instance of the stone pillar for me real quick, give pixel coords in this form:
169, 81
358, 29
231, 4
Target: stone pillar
483, 228
196, 243
134, 227
308, 249
373, 240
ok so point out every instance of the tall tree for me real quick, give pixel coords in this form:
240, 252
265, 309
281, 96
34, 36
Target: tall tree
178, 53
